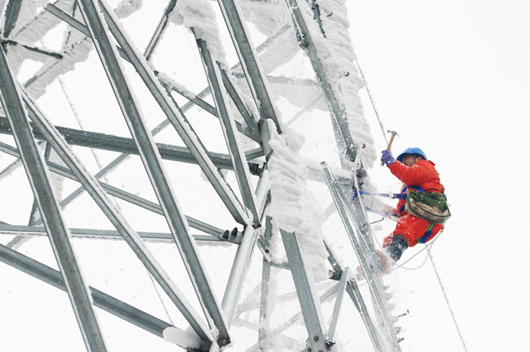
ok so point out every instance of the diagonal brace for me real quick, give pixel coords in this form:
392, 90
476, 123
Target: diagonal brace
151, 159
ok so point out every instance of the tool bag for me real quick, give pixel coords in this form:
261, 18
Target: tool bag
432, 207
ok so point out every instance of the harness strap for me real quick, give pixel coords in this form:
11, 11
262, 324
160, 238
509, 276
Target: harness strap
417, 188
404, 194
387, 195
427, 234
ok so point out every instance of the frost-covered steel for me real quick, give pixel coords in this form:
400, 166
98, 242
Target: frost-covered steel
270, 85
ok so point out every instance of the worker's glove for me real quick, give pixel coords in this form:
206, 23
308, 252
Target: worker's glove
387, 157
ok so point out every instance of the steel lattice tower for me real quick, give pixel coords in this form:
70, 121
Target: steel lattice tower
165, 161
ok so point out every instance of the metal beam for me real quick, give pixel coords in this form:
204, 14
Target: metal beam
213, 74
113, 143
109, 167
11, 16
338, 303
57, 12
345, 141
49, 209
238, 273
290, 322
194, 99
248, 61
364, 254
116, 192
159, 30
264, 302
102, 300
96, 191
353, 291
355, 294
283, 80
174, 115
240, 105
306, 292
29, 231
150, 157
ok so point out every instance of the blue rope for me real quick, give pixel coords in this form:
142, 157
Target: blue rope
387, 195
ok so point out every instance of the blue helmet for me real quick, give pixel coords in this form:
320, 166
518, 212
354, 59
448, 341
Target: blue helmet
409, 151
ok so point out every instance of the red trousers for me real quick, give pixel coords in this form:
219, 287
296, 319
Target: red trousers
414, 230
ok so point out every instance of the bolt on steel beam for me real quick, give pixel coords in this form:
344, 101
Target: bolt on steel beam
238, 273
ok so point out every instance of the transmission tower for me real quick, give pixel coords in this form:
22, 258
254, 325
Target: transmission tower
209, 143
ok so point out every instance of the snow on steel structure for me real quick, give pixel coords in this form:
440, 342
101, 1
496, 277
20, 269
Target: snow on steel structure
250, 89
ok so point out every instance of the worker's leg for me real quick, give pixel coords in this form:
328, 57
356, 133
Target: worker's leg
409, 231
397, 246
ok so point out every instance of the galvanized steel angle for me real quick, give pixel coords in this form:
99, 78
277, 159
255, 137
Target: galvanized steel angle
57, 231
96, 189
176, 118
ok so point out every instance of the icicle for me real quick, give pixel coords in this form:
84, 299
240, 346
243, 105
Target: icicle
293, 207
337, 56
199, 15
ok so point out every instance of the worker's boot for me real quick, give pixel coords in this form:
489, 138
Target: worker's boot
382, 263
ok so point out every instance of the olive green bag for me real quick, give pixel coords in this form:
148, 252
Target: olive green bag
432, 207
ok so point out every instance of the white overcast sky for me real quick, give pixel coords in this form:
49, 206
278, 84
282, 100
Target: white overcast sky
452, 77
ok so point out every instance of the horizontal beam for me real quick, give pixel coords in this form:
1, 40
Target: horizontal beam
21, 230
118, 193
196, 100
126, 145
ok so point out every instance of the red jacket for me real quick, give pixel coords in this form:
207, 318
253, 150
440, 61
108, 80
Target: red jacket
421, 174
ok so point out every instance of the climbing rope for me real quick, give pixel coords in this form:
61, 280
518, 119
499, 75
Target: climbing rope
370, 97
427, 247
447, 301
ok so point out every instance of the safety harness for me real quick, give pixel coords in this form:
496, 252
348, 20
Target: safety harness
403, 195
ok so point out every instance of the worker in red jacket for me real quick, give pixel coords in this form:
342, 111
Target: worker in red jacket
416, 172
